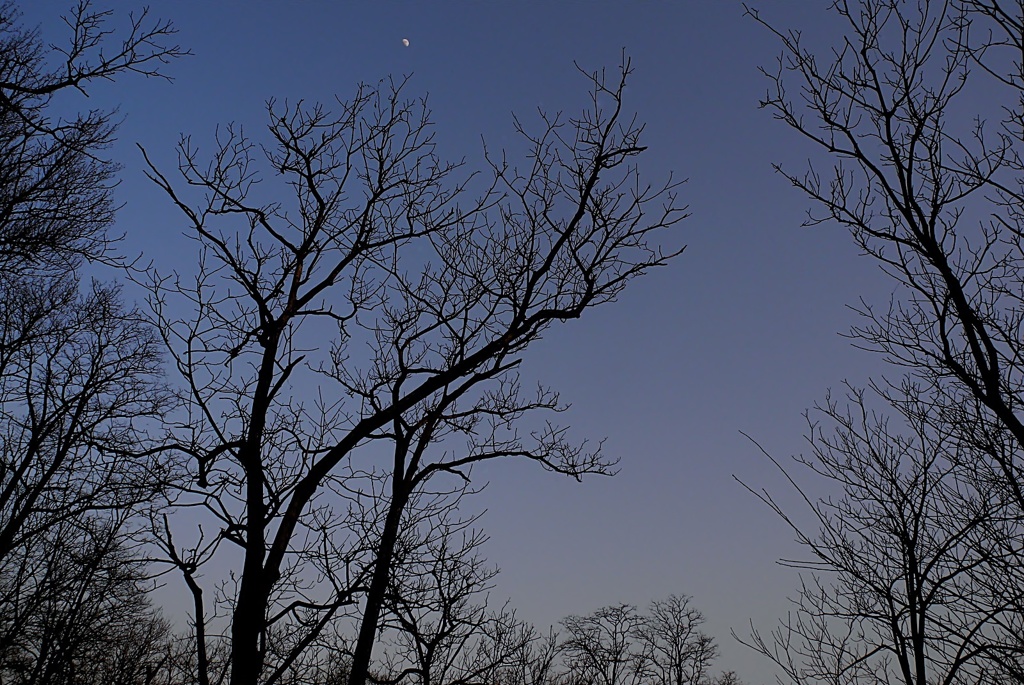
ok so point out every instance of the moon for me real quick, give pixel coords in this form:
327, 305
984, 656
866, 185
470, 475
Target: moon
405, 42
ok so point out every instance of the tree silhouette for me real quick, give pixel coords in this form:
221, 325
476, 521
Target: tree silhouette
369, 278
79, 372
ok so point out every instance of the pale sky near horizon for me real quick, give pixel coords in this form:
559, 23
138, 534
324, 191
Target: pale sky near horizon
740, 333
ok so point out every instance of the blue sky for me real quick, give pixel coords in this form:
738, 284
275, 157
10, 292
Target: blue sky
741, 333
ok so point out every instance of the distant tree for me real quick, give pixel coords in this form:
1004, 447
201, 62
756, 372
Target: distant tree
914, 566
401, 309
76, 611
598, 648
438, 628
536, 664
727, 678
616, 645
671, 648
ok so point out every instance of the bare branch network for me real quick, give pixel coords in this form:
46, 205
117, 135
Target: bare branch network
346, 350
356, 322
914, 566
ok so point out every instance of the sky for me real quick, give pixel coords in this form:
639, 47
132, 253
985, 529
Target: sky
741, 334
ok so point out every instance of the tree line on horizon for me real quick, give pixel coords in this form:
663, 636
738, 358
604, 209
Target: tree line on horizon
304, 405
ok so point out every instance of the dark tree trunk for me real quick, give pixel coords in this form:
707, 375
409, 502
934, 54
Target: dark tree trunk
249, 620
247, 627
378, 588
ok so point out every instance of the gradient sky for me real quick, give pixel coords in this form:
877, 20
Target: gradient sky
741, 333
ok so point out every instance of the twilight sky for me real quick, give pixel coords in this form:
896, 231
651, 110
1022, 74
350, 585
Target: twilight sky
741, 333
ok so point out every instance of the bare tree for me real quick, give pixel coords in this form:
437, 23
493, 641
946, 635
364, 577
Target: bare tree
75, 369
76, 609
927, 181
79, 371
537, 664
438, 628
55, 185
401, 310
908, 563
78, 376
616, 645
672, 649
921, 107
728, 678
598, 648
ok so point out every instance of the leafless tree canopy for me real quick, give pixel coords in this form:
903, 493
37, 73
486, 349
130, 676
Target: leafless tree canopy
918, 108
345, 355
55, 184
615, 645
79, 371
354, 330
913, 569
928, 190
77, 368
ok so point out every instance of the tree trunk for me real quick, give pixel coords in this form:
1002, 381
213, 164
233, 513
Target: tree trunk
378, 588
248, 619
